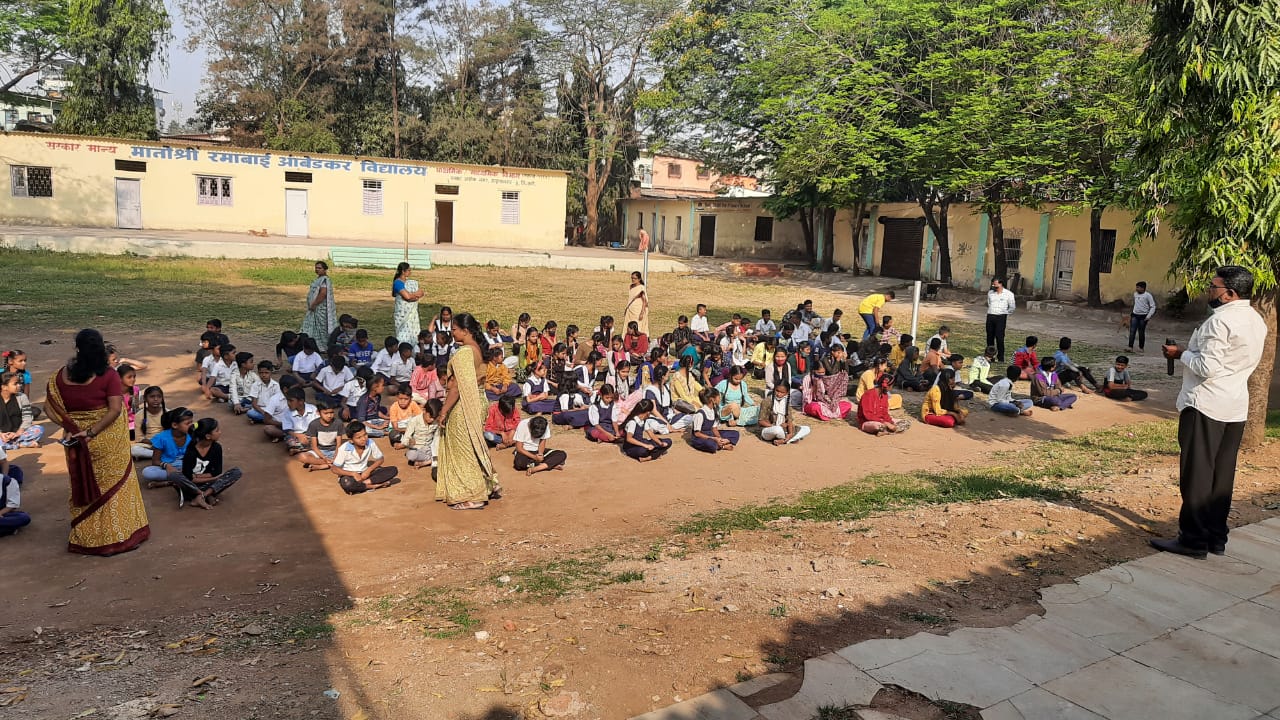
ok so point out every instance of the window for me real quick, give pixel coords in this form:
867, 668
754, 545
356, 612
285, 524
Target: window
662, 234
764, 229
510, 208
213, 190
1107, 250
372, 197
704, 173
31, 181
131, 166
673, 170
446, 189
1013, 249
641, 220
678, 235
296, 177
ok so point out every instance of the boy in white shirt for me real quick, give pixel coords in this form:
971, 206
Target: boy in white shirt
217, 383
331, 380
765, 327
382, 359
532, 455
358, 463
402, 365
699, 325
245, 384
1001, 399
266, 389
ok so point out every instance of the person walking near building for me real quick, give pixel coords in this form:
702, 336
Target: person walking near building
1144, 307
1000, 305
1213, 406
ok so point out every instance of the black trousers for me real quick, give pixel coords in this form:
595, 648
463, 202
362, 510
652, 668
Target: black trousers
1138, 327
995, 333
1207, 477
1071, 376
552, 458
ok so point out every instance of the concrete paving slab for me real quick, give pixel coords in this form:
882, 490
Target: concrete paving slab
1269, 533
1172, 595
1270, 600
1230, 575
1121, 688
1037, 704
1251, 549
829, 680
1110, 622
970, 679
872, 714
1220, 666
1272, 523
1069, 593
718, 705
871, 654
758, 684
1248, 624
1039, 651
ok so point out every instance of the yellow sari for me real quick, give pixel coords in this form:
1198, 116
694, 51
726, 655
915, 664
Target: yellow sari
637, 309
107, 514
466, 471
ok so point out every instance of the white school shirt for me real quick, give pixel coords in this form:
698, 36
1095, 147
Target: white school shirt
353, 391
333, 382
594, 416
302, 420
698, 324
1144, 304
1218, 361
245, 387
945, 351
1001, 392
12, 492
766, 328
307, 363
584, 377
382, 362
495, 341
206, 364
705, 420
402, 369
222, 372
267, 391
802, 332
524, 436
278, 408
352, 460
531, 389
1001, 303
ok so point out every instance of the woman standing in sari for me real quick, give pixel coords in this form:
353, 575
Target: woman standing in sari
407, 295
467, 479
637, 305
322, 314
86, 398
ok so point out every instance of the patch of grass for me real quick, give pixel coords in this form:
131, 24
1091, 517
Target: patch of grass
742, 676
831, 712
777, 660
1034, 472
306, 627
872, 562
557, 578
778, 611
1273, 423
654, 554
443, 614
924, 617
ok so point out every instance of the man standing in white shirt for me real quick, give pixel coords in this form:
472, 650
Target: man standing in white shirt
1144, 306
1213, 406
1000, 305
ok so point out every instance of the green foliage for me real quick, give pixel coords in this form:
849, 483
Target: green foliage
32, 33
113, 43
557, 578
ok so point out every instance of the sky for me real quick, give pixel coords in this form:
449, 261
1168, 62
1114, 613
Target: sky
181, 79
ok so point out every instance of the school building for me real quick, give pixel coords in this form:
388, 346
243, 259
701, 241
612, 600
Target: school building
1047, 248
133, 184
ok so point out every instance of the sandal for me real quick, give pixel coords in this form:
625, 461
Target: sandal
467, 506
496, 494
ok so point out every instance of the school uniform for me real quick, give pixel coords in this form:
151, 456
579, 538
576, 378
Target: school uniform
661, 397
245, 389
423, 440
352, 460
381, 362
523, 437
222, 375
306, 365
11, 499
777, 411
333, 384
705, 421
401, 369
369, 411
300, 420
600, 420
635, 428
536, 386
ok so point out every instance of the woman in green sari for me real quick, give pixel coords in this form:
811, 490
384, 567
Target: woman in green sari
467, 479
322, 314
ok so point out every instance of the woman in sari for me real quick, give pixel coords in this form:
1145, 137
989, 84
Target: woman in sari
86, 398
407, 295
467, 479
637, 305
322, 314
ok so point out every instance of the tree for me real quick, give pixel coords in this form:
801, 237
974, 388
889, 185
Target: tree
600, 49
112, 44
1209, 143
32, 34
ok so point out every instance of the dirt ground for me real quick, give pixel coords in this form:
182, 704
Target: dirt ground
289, 588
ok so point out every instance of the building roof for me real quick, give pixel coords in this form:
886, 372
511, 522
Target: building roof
732, 192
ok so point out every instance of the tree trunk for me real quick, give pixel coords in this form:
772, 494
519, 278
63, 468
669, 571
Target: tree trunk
859, 209
827, 216
935, 216
1260, 381
806, 228
1095, 255
997, 246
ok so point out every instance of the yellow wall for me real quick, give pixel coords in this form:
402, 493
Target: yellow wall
84, 192
1151, 263
735, 227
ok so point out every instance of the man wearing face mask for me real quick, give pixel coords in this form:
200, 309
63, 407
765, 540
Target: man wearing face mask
1000, 305
1213, 406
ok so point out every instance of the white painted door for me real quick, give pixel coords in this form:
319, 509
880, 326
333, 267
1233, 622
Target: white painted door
128, 204
295, 213
1064, 266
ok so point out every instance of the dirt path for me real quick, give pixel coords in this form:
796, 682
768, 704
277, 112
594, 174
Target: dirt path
286, 543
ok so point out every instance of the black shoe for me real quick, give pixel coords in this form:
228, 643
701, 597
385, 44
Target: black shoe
1217, 549
1172, 545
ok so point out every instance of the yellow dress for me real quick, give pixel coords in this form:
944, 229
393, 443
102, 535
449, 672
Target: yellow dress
867, 381
466, 470
684, 387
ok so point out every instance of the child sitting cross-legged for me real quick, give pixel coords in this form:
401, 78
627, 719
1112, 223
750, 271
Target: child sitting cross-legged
399, 414
501, 422
425, 379
422, 437
11, 515
873, 409
776, 422
941, 407
359, 463
1025, 358
168, 449
369, 409
707, 436
1119, 386
203, 478
601, 426
981, 369
1000, 397
641, 442
323, 435
532, 455
1046, 389
497, 376
538, 393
